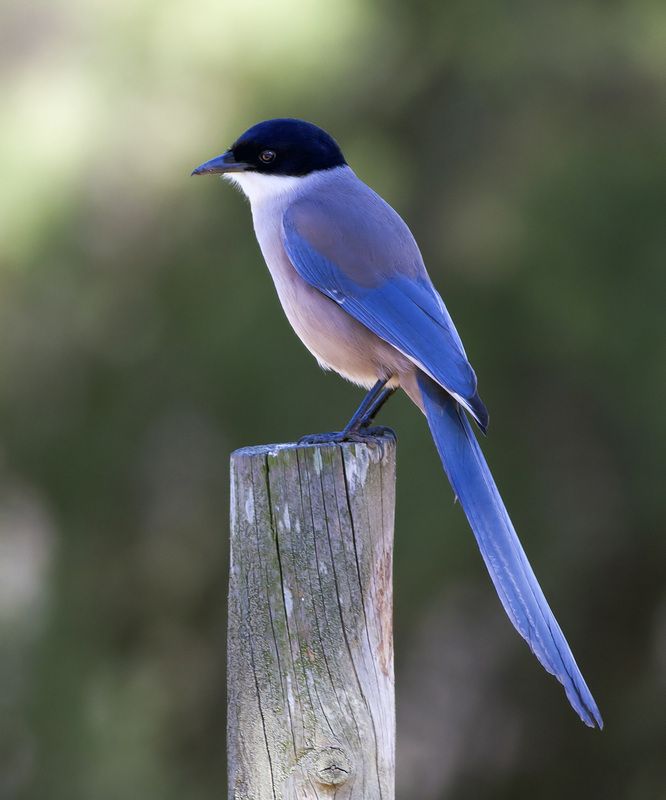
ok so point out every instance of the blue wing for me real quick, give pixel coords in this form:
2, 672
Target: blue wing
403, 308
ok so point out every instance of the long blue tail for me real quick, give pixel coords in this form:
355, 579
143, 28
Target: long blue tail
505, 558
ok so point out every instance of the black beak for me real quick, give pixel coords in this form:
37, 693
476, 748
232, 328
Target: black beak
224, 163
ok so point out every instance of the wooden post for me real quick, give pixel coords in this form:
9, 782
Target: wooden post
310, 649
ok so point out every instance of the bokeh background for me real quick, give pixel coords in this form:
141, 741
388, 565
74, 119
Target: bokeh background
141, 341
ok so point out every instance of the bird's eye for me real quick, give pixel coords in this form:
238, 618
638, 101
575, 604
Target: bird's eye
267, 156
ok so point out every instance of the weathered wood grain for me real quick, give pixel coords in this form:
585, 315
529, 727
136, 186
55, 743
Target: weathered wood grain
310, 650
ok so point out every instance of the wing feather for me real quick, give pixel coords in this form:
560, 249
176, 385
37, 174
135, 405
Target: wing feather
403, 309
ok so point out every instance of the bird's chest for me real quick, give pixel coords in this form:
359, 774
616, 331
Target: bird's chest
303, 305
336, 340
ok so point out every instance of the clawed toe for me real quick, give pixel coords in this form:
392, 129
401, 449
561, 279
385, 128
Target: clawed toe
337, 437
322, 438
379, 430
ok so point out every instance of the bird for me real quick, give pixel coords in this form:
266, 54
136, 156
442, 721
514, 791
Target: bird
353, 284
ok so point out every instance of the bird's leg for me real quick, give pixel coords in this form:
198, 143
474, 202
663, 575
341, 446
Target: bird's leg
362, 417
365, 413
375, 408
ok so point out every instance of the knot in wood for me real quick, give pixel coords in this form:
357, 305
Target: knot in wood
331, 766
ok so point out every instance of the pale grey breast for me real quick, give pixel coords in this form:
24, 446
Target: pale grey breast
346, 222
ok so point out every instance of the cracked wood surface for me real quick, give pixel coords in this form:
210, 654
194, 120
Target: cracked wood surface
310, 648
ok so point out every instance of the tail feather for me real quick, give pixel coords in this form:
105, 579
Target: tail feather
502, 552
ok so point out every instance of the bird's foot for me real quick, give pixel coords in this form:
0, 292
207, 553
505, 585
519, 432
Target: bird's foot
362, 436
334, 437
377, 431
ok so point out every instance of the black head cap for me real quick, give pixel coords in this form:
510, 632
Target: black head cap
287, 147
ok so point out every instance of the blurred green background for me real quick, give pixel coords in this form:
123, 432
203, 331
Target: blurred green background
141, 341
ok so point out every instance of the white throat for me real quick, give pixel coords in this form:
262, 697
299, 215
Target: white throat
258, 187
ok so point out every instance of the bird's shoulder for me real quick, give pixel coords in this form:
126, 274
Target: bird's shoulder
345, 221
